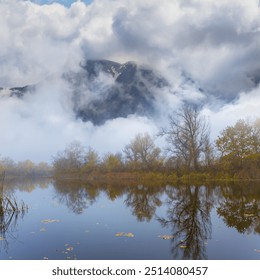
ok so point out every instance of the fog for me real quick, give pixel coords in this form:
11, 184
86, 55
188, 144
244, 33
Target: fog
207, 50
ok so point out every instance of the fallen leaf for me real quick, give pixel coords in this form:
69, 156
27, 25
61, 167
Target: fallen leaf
258, 251
48, 221
166, 237
69, 249
1, 238
183, 246
130, 234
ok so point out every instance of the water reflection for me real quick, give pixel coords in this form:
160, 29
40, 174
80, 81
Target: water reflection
240, 207
25, 184
10, 213
185, 211
144, 200
188, 217
77, 196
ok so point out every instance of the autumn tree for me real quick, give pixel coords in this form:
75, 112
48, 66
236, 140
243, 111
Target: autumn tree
70, 160
239, 140
142, 153
26, 167
188, 137
91, 160
112, 162
239, 148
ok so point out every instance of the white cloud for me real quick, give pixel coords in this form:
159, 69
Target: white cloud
216, 43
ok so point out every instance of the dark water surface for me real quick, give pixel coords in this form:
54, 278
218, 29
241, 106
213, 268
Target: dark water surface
73, 220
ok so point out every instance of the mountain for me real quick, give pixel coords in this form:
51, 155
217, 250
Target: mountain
106, 90
103, 90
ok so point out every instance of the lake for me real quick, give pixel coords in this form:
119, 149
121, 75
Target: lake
76, 220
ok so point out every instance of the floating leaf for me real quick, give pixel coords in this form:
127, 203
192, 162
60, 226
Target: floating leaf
258, 251
124, 234
130, 234
69, 249
1, 238
166, 237
183, 246
48, 221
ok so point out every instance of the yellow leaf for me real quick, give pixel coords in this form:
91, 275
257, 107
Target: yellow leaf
166, 237
48, 221
124, 234
129, 234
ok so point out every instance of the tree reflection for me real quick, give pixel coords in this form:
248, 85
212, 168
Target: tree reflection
75, 195
240, 208
144, 201
188, 216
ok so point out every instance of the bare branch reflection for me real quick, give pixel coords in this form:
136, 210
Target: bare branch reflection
144, 200
188, 217
75, 195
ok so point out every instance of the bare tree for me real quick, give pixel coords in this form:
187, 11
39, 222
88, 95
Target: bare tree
142, 152
187, 136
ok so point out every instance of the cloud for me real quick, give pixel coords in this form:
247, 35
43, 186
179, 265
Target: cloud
198, 44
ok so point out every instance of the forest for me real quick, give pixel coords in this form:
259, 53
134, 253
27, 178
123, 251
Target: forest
189, 154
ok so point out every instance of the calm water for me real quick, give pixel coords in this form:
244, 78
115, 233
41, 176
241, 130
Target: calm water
72, 220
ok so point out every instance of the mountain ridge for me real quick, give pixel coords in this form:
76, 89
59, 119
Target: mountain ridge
104, 90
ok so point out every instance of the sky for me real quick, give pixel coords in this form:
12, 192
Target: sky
66, 3
214, 43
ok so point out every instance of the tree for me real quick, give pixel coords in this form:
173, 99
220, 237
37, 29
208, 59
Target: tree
187, 137
91, 160
239, 148
70, 160
112, 162
26, 167
142, 153
239, 141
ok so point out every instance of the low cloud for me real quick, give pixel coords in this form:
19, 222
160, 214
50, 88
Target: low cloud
207, 50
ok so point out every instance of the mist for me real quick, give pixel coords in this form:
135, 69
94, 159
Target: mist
208, 52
